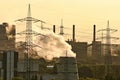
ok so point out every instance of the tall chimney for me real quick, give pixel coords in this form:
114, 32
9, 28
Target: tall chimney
73, 33
94, 33
54, 28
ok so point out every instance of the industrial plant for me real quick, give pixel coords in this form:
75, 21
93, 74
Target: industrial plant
51, 57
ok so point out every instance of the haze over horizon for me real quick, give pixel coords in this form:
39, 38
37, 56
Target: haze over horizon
83, 13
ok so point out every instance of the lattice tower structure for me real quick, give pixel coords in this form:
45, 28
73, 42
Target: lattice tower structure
29, 41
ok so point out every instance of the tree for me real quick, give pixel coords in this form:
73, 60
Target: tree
88, 79
85, 72
109, 77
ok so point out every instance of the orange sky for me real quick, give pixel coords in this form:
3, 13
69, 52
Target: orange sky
82, 13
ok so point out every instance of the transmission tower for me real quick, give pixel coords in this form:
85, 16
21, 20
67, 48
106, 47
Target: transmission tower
108, 59
29, 41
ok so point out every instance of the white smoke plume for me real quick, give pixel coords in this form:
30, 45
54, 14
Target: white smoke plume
53, 45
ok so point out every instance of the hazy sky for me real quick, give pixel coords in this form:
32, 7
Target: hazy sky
82, 13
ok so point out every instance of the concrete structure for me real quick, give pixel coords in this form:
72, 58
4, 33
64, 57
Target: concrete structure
67, 69
10, 59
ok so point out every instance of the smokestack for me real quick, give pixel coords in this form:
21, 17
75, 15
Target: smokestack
54, 28
73, 33
94, 33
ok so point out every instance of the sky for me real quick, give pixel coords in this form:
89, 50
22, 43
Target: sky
83, 13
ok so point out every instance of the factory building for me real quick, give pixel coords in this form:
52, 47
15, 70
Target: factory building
80, 48
96, 45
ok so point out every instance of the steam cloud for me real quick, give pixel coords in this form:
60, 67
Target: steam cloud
53, 45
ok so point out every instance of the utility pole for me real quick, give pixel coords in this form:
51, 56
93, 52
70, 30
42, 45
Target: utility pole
29, 41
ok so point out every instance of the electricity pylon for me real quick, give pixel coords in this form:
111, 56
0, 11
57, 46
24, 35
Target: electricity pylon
29, 41
108, 57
